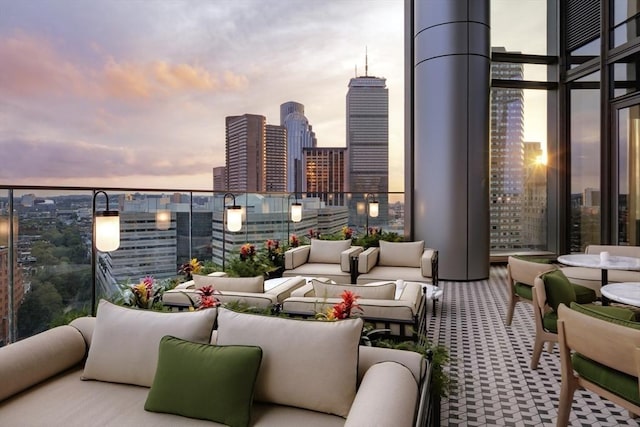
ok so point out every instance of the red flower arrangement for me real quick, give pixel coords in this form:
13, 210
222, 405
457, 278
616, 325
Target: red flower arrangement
294, 242
207, 298
247, 251
342, 310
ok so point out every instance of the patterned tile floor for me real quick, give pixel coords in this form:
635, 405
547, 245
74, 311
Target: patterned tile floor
495, 384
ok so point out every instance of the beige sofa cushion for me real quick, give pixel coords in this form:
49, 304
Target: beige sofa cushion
125, 341
231, 284
375, 291
401, 254
327, 251
308, 364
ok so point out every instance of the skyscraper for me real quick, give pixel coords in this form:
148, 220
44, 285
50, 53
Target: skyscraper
299, 136
507, 158
368, 141
245, 136
534, 200
275, 159
325, 174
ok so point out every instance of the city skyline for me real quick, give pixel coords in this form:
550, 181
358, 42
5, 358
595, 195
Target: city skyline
131, 93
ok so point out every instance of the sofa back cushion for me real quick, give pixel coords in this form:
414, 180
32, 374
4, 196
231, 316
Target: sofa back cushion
327, 251
307, 364
400, 254
125, 341
231, 284
370, 291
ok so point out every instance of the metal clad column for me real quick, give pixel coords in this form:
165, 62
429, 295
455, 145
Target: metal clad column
450, 194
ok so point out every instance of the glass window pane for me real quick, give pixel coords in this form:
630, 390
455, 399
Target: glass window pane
625, 77
584, 53
585, 169
629, 176
513, 21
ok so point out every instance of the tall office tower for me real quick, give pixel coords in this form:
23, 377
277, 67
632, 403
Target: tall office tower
368, 143
18, 292
507, 158
325, 174
299, 136
245, 137
219, 178
534, 201
275, 159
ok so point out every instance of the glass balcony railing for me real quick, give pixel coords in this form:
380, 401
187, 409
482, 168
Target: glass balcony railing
46, 274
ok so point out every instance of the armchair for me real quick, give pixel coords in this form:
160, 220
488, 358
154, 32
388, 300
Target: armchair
409, 261
322, 258
605, 360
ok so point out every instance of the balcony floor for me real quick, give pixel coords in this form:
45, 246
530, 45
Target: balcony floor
495, 384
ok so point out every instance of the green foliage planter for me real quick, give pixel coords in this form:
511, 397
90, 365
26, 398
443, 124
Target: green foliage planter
374, 237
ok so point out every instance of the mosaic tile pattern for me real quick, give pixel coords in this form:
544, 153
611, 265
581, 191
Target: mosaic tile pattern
496, 387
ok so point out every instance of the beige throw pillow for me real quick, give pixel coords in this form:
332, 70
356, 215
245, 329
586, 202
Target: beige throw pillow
307, 364
327, 251
125, 342
400, 254
231, 284
375, 291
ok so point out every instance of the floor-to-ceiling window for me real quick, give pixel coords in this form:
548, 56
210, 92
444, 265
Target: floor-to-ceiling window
519, 129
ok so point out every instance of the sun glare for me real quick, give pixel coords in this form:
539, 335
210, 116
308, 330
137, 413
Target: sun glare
541, 160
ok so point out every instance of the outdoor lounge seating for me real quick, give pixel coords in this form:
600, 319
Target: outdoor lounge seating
592, 277
402, 311
322, 258
521, 275
252, 291
121, 368
600, 354
409, 261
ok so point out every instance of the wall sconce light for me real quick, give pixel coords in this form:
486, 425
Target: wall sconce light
373, 209
232, 222
296, 213
106, 238
163, 219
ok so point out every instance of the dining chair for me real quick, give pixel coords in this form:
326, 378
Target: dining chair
521, 274
551, 289
600, 354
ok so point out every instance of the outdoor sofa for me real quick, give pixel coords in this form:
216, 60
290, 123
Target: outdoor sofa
333, 259
401, 310
129, 367
409, 261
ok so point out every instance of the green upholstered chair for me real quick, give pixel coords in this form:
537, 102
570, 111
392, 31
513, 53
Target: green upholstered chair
549, 291
521, 273
599, 353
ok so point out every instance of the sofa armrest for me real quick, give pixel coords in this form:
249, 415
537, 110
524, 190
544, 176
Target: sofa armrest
387, 396
412, 294
304, 291
345, 257
295, 257
429, 265
368, 259
284, 289
41, 356
189, 284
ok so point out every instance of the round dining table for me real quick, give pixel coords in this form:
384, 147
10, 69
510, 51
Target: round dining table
623, 292
611, 262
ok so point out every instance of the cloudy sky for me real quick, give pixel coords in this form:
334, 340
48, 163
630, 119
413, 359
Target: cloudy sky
134, 92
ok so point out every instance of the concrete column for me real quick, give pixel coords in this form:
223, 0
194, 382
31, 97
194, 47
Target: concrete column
448, 138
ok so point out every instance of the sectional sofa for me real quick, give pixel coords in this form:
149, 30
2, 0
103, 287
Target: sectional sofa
129, 367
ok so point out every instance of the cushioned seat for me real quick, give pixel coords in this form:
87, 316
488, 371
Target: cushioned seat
401, 311
322, 258
409, 261
253, 291
521, 273
550, 290
600, 353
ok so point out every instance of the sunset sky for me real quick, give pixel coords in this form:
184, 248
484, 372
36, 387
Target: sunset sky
134, 93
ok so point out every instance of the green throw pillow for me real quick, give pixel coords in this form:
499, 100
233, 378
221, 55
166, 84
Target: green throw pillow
558, 288
205, 381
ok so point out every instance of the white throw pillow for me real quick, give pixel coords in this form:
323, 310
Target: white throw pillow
401, 254
307, 364
327, 251
231, 284
125, 342
375, 291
